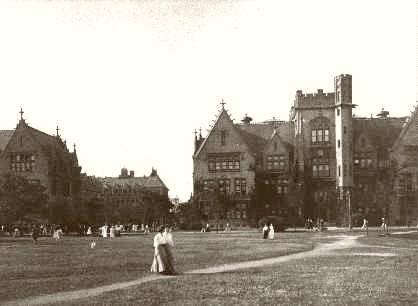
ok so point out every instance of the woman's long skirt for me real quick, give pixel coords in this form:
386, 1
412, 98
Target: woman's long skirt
163, 261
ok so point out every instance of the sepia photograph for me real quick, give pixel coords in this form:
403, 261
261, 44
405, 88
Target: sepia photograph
208, 152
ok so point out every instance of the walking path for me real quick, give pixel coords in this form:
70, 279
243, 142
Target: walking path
323, 249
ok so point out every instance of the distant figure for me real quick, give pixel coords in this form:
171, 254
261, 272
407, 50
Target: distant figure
207, 227
365, 226
271, 232
384, 226
265, 231
146, 230
112, 232
35, 234
93, 244
58, 234
227, 228
104, 231
89, 231
16, 232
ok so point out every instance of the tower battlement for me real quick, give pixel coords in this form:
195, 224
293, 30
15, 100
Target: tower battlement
317, 100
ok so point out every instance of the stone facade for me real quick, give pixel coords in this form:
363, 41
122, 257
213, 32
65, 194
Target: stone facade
131, 199
322, 164
41, 158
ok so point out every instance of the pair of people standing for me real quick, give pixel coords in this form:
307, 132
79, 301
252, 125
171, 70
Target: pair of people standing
163, 261
268, 231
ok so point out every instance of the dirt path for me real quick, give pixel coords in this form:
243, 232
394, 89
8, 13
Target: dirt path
323, 249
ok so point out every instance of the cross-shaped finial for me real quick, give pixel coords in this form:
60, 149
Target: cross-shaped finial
195, 133
223, 103
58, 131
21, 113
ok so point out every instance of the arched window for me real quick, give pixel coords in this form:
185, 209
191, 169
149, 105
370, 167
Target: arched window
320, 130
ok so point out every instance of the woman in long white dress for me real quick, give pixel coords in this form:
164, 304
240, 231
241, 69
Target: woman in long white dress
112, 232
271, 232
104, 231
161, 263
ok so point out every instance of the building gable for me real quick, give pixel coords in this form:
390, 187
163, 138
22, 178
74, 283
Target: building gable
276, 145
223, 137
22, 140
405, 148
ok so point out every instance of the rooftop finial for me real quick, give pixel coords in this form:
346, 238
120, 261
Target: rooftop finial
200, 132
223, 104
58, 129
74, 147
21, 113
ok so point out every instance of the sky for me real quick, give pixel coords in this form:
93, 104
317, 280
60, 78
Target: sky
129, 81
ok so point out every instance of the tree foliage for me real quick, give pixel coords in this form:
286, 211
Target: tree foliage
21, 199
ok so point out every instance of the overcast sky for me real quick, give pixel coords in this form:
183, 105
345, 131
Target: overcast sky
129, 81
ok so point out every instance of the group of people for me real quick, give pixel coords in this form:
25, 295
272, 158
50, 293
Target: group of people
268, 232
311, 226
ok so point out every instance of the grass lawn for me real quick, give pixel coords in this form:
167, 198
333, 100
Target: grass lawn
377, 271
52, 266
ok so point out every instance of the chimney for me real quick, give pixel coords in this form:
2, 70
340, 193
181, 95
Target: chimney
132, 173
123, 172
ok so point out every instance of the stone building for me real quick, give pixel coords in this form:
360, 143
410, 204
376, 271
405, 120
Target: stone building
41, 158
134, 199
324, 163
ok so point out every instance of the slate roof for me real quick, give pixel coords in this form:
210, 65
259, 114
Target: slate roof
406, 126
53, 143
382, 132
5, 136
257, 135
152, 181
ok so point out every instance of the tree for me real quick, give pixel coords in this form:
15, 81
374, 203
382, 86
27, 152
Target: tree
21, 199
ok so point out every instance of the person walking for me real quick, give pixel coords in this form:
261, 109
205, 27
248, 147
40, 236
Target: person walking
271, 232
365, 226
160, 263
265, 231
384, 226
35, 234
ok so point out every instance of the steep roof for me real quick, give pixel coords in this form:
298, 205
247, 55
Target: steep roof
407, 125
381, 132
223, 114
265, 129
152, 181
5, 136
128, 181
257, 135
254, 142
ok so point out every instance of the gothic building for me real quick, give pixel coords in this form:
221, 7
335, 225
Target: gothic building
129, 198
324, 163
42, 158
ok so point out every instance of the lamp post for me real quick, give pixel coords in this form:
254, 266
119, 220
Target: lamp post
349, 209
